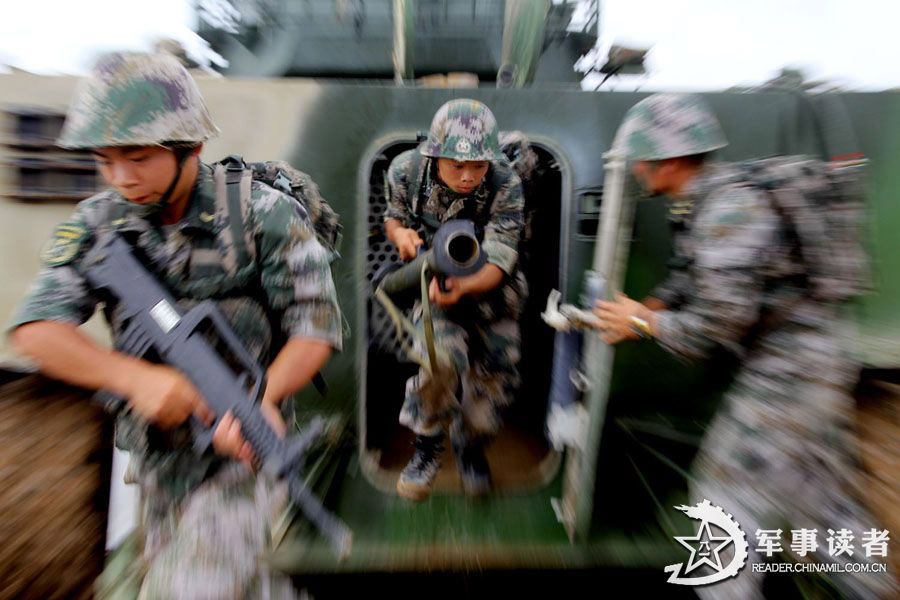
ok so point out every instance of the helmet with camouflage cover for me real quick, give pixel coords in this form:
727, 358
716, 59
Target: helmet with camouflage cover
670, 125
463, 130
136, 99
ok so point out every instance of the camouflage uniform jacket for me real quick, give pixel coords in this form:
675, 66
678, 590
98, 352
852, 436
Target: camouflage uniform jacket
288, 284
737, 278
502, 226
781, 450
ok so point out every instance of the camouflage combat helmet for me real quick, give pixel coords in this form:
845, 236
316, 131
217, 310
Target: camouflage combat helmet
670, 125
463, 130
136, 99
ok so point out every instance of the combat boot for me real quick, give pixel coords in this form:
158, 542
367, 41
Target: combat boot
474, 470
417, 478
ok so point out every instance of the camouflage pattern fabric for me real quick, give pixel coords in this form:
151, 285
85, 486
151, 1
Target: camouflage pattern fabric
436, 203
518, 151
824, 205
326, 223
136, 99
781, 452
208, 544
481, 335
669, 125
525, 162
485, 354
463, 130
290, 279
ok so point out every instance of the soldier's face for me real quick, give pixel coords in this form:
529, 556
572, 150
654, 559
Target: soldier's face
648, 176
665, 177
462, 177
661, 177
142, 174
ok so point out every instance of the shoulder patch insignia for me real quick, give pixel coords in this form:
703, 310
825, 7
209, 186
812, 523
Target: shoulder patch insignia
726, 223
63, 246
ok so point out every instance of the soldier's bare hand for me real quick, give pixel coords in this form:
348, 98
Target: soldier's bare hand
165, 397
445, 299
614, 318
407, 241
228, 440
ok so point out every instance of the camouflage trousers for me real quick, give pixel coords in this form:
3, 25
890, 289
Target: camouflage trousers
781, 454
485, 354
209, 544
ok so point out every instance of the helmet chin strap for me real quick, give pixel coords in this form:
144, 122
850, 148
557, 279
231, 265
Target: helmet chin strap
181, 155
152, 210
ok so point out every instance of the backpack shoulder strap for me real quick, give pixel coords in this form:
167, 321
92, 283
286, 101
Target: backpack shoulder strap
233, 182
414, 183
233, 179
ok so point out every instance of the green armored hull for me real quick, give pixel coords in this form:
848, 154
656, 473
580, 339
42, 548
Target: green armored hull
652, 424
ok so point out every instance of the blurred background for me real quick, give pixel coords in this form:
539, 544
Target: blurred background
339, 87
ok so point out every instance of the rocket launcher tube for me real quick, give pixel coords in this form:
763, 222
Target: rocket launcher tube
455, 252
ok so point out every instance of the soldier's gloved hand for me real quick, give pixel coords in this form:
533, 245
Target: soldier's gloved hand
445, 299
407, 241
228, 441
165, 397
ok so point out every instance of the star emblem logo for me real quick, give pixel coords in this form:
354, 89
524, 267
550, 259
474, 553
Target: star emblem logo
704, 547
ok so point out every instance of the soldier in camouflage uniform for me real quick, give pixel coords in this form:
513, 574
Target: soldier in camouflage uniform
459, 172
206, 519
781, 451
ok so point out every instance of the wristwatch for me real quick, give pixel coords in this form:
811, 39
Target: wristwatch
640, 327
